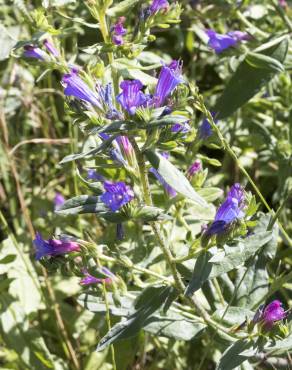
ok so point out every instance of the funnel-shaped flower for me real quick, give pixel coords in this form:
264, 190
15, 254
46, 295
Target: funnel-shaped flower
59, 200
169, 78
194, 168
51, 48
75, 86
157, 5
53, 247
131, 97
205, 129
272, 313
89, 279
116, 194
230, 210
220, 42
32, 51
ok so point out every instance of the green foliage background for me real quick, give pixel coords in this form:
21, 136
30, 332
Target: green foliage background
43, 322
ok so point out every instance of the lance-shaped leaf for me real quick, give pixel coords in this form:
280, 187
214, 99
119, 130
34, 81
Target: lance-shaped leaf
233, 356
209, 266
90, 153
122, 8
172, 325
257, 68
156, 296
90, 204
175, 178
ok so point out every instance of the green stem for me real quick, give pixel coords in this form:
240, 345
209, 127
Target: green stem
282, 14
232, 154
192, 301
106, 37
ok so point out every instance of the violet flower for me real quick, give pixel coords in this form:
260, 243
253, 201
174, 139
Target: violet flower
194, 168
51, 48
93, 175
205, 129
32, 51
53, 247
105, 93
116, 195
269, 315
230, 210
131, 97
75, 86
89, 279
59, 200
169, 78
272, 313
157, 5
119, 31
182, 128
220, 42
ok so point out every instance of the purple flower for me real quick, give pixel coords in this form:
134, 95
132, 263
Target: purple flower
170, 190
119, 31
182, 128
220, 42
283, 3
194, 168
105, 93
205, 129
75, 86
89, 279
169, 78
131, 97
93, 175
53, 247
116, 194
59, 200
125, 145
157, 5
51, 48
32, 51
230, 210
272, 313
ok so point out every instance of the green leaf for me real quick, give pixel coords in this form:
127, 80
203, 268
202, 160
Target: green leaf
282, 346
174, 177
210, 194
233, 316
171, 325
174, 325
122, 8
8, 259
232, 357
8, 39
156, 296
257, 69
209, 266
147, 213
90, 204
90, 153
166, 121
